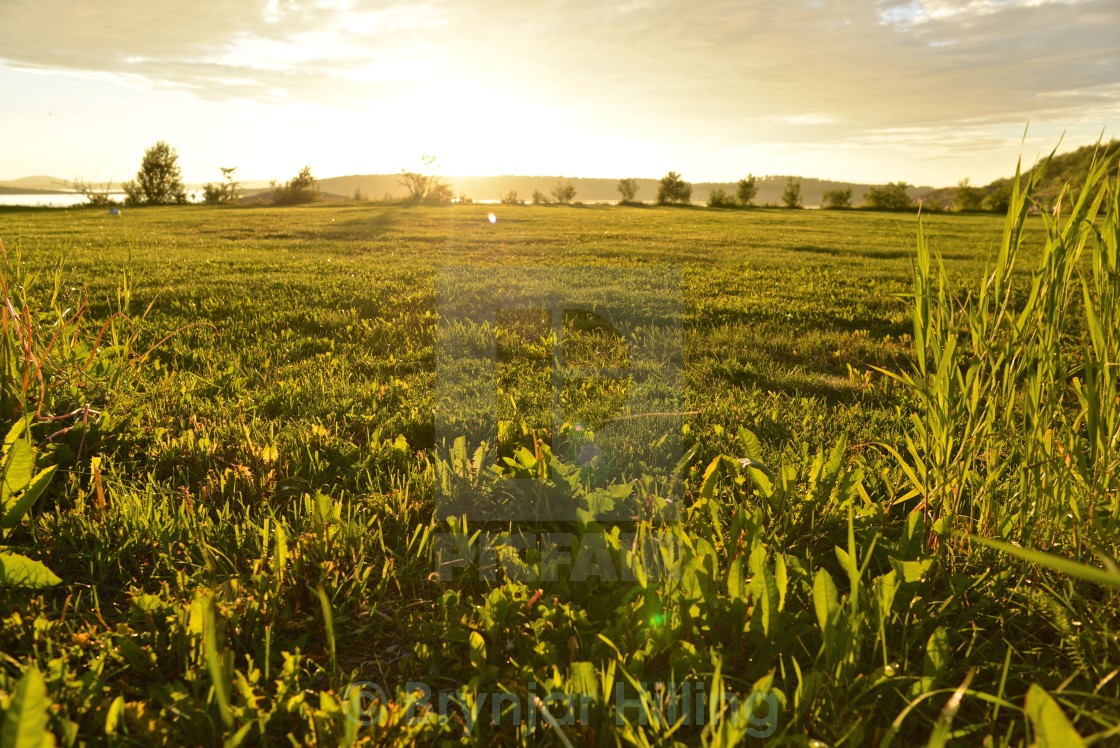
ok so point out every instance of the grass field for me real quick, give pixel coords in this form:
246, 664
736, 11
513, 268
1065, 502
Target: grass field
245, 516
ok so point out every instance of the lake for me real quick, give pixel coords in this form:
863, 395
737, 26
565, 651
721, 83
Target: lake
60, 200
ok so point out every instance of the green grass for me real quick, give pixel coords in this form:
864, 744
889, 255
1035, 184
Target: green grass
245, 518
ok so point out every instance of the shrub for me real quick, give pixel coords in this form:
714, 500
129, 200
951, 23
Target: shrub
837, 199
891, 196
748, 190
673, 189
99, 197
718, 198
628, 188
564, 192
967, 197
539, 198
511, 198
791, 198
424, 186
302, 188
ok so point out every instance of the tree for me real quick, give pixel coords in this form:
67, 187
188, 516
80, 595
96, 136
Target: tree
302, 188
539, 198
440, 192
628, 188
673, 189
159, 181
220, 194
511, 198
968, 197
564, 192
837, 199
425, 186
212, 194
998, 198
891, 196
99, 197
748, 190
718, 198
792, 196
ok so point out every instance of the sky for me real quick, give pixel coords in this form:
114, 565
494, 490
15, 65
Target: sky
923, 91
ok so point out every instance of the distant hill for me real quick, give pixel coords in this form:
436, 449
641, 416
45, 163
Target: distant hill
770, 188
33, 185
1071, 167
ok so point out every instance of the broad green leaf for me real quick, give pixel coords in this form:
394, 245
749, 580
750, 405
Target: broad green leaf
751, 446
711, 475
910, 571
25, 724
937, 653
585, 679
885, 588
21, 571
735, 586
781, 578
115, 716
763, 479
1052, 729
478, 650
825, 599
764, 591
937, 657
19, 463
14, 511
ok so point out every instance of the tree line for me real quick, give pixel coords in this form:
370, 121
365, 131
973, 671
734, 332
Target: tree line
159, 182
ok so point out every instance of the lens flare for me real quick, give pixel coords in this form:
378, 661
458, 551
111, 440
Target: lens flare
491, 218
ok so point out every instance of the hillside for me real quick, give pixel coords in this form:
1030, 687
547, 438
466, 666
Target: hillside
379, 186
38, 183
1064, 168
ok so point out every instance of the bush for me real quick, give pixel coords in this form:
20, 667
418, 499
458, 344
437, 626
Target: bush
564, 192
967, 197
98, 197
998, 198
302, 188
891, 196
718, 198
748, 190
511, 198
837, 199
539, 198
791, 198
628, 188
425, 186
221, 194
673, 189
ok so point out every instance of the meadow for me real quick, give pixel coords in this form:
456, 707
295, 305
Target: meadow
877, 505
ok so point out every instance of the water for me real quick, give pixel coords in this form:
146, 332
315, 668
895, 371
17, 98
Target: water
71, 199
61, 200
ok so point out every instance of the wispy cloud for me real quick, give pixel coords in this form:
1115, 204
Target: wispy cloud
717, 73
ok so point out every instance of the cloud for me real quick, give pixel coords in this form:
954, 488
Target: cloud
909, 13
717, 73
222, 50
